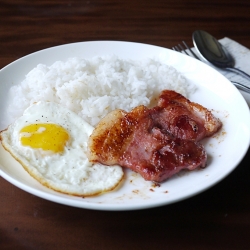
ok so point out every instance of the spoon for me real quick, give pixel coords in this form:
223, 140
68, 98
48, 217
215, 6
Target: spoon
215, 53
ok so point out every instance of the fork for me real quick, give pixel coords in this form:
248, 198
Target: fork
181, 49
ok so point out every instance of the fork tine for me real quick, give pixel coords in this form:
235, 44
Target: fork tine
180, 48
176, 48
187, 47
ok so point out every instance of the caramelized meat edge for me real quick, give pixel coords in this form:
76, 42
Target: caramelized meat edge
157, 143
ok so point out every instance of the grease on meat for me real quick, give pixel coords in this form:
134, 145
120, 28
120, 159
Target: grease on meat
157, 143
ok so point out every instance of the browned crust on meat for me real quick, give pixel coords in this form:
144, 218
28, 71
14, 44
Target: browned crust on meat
211, 123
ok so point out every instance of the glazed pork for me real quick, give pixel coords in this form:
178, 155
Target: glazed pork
157, 143
183, 118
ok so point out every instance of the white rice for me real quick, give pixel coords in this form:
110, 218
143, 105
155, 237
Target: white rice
94, 87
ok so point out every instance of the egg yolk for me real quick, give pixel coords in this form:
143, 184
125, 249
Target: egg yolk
45, 136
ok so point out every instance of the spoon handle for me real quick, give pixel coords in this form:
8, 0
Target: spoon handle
241, 87
240, 72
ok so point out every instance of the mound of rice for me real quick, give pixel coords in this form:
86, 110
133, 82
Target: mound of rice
94, 87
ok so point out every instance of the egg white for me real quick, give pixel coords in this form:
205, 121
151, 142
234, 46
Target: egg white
70, 171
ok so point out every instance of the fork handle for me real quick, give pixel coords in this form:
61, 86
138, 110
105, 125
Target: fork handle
238, 71
241, 86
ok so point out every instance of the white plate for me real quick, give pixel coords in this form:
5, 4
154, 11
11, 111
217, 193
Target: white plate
225, 151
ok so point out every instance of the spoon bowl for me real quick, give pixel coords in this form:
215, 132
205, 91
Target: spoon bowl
212, 51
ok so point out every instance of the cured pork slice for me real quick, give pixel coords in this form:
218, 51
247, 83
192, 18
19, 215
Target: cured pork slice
183, 118
153, 142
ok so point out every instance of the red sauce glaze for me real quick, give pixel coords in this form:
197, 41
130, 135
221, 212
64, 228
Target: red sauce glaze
157, 142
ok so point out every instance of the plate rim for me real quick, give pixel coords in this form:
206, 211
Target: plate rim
111, 207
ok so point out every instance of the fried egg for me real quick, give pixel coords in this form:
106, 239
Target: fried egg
50, 142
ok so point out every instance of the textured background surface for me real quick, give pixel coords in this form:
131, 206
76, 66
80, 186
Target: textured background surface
216, 219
